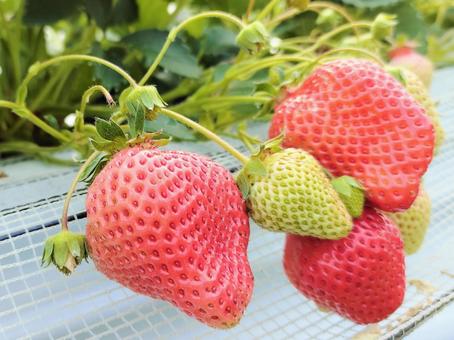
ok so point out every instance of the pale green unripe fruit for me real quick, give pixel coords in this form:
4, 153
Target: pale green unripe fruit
296, 196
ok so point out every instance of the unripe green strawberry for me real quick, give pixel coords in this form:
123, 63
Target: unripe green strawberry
351, 193
294, 195
414, 221
419, 92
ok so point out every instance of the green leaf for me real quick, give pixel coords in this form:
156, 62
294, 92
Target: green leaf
370, 3
44, 12
108, 12
109, 78
255, 167
411, 23
147, 14
109, 130
218, 41
100, 11
178, 59
219, 71
93, 168
169, 127
125, 11
137, 122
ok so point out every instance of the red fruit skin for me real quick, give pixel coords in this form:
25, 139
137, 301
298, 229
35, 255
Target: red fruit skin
361, 277
173, 226
357, 120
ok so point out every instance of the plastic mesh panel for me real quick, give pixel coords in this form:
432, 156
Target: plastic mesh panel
41, 303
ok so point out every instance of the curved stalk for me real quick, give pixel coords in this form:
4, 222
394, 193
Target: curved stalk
173, 34
84, 101
72, 188
35, 69
207, 133
268, 9
335, 32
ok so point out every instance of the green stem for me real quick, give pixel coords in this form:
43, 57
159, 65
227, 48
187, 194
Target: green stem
23, 112
173, 34
72, 188
322, 39
250, 8
227, 100
267, 10
35, 69
207, 133
84, 101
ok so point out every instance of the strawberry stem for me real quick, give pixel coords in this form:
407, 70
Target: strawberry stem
207, 133
173, 34
72, 188
36, 68
23, 112
84, 101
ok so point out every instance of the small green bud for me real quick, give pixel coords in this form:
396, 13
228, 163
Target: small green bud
253, 37
141, 99
383, 26
65, 250
328, 17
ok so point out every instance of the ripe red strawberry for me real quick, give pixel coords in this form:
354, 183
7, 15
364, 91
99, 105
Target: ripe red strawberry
172, 225
407, 57
357, 120
361, 277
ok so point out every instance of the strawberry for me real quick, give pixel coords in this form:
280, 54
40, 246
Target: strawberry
357, 120
173, 226
413, 222
294, 195
361, 277
406, 56
417, 89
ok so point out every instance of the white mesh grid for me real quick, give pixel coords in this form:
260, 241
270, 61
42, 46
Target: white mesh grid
43, 304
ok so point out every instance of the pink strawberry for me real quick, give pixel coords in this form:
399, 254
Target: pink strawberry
173, 226
357, 120
406, 56
361, 277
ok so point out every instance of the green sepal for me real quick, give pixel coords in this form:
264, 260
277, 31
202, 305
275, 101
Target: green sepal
107, 147
397, 73
243, 184
383, 26
351, 193
255, 167
341, 186
253, 37
110, 130
65, 250
149, 138
95, 166
140, 103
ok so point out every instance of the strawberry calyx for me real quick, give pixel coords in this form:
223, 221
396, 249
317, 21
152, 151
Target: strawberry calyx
254, 37
383, 26
351, 193
65, 250
255, 166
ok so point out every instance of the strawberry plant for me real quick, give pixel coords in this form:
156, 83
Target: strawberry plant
348, 136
